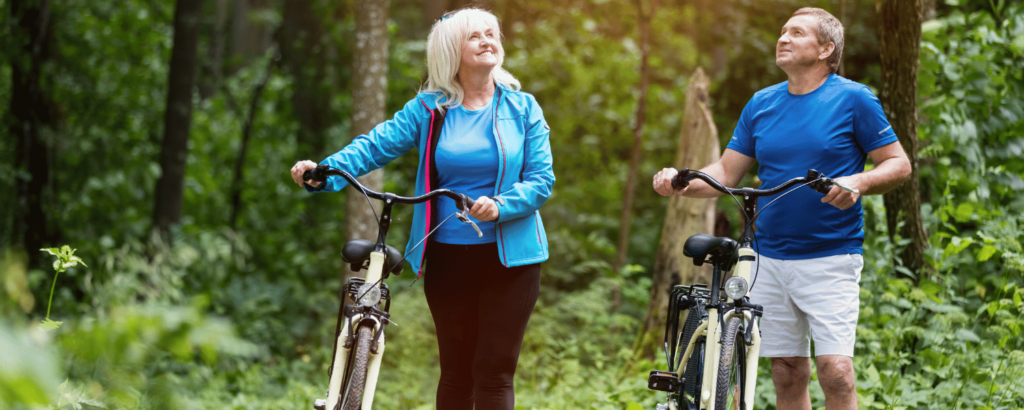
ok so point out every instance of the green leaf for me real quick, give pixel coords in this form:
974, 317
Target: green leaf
967, 335
1016, 297
956, 245
634, 406
1017, 45
986, 252
931, 289
964, 212
48, 325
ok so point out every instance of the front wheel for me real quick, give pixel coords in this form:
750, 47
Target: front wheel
357, 378
732, 367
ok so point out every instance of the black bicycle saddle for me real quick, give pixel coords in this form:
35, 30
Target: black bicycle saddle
701, 246
357, 251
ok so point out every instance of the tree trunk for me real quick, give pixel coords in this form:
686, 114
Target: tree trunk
32, 114
433, 10
249, 38
698, 146
625, 219
305, 56
213, 68
177, 115
900, 43
369, 92
845, 20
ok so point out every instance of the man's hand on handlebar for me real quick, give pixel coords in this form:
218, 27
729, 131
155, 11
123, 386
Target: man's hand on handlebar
841, 198
484, 209
301, 167
663, 182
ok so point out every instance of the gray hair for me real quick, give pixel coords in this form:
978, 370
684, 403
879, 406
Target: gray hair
830, 30
444, 54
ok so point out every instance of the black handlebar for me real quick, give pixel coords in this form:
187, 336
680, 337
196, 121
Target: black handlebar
322, 172
816, 180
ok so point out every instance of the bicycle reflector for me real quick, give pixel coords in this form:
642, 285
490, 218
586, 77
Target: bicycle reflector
736, 287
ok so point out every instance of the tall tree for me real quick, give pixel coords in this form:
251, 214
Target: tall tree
899, 35
698, 146
32, 115
644, 26
369, 92
250, 36
304, 52
212, 68
177, 115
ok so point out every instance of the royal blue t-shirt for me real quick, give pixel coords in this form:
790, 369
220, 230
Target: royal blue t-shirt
467, 163
830, 129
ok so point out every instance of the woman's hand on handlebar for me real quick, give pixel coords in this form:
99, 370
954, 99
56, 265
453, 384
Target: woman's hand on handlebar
484, 209
663, 182
301, 167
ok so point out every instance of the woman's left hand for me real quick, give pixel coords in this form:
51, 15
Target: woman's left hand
484, 209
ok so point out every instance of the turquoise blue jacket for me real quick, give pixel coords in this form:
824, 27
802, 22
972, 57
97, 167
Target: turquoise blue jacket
524, 179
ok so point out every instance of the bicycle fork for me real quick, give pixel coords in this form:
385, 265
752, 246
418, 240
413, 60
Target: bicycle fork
341, 360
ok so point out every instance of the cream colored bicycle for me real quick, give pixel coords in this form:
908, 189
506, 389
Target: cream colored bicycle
359, 335
722, 374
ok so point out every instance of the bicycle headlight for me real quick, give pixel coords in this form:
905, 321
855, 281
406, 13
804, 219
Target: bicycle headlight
736, 287
368, 294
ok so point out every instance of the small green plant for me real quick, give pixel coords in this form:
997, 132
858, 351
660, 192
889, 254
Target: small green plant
65, 259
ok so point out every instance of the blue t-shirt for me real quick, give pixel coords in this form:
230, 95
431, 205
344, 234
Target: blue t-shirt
830, 129
467, 163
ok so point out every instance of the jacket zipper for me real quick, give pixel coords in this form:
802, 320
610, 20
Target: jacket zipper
504, 164
426, 184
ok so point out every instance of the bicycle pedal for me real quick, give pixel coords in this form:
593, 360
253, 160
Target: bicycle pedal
320, 404
663, 381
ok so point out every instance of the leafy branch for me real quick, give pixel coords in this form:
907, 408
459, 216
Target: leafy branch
65, 259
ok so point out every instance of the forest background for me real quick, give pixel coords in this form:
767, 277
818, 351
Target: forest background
232, 304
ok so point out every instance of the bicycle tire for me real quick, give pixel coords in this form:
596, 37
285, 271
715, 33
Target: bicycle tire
352, 400
731, 367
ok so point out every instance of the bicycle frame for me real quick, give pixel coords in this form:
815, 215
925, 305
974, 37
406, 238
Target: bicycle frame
357, 314
718, 313
711, 330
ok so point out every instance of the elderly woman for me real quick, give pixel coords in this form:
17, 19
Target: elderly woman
476, 134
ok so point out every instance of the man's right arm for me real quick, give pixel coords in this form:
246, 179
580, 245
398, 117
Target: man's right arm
729, 170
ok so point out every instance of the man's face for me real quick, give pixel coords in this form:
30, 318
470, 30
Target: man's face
798, 45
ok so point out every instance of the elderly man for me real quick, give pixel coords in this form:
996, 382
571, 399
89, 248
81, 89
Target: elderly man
809, 247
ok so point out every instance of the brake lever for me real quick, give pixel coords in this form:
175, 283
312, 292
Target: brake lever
463, 215
465, 219
843, 187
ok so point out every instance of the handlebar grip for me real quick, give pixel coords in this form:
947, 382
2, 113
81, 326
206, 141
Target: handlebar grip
823, 187
678, 182
820, 182
316, 174
465, 203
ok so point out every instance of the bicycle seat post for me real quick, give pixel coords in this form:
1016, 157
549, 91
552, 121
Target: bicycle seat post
716, 283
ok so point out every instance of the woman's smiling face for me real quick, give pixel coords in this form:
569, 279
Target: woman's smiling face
481, 48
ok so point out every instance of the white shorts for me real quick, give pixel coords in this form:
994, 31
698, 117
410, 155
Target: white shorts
817, 298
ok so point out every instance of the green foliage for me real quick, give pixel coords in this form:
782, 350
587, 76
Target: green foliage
243, 317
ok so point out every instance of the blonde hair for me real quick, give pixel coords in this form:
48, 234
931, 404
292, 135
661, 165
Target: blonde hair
444, 55
830, 30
